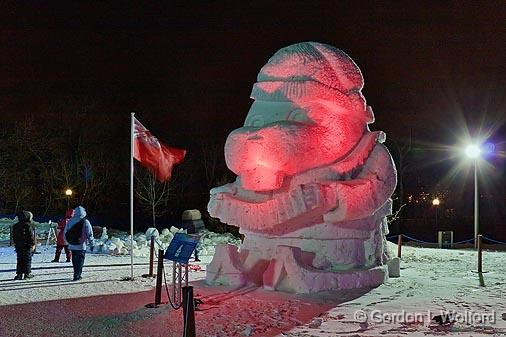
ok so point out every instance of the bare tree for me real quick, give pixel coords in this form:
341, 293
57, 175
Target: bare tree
213, 162
151, 193
94, 176
402, 149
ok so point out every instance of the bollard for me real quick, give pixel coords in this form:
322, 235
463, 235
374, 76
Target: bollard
399, 246
158, 290
480, 255
151, 256
188, 312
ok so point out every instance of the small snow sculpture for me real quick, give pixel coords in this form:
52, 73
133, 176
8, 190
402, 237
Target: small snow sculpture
104, 235
314, 183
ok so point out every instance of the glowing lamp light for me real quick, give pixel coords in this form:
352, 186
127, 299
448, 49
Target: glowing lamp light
473, 151
68, 192
436, 201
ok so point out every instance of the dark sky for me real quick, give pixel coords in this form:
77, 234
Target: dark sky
428, 65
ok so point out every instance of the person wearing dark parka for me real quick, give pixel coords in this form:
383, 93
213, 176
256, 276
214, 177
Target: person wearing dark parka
24, 242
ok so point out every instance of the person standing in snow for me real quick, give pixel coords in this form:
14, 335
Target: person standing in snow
24, 242
77, 233
60, 237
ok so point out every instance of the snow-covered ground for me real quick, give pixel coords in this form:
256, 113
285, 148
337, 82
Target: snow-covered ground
102, 274
433, 282
105, 268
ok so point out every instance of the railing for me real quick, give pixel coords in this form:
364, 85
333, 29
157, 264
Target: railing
485, 238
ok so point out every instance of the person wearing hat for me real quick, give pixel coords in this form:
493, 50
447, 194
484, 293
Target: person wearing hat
24, 242
78, 232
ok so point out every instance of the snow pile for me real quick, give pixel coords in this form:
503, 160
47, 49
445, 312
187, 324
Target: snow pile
119, 242
6, 223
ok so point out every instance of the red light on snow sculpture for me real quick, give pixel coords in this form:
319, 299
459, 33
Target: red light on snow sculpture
313, 183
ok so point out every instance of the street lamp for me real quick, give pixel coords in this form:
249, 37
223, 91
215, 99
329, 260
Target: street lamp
435, 203
473, 152
68, 193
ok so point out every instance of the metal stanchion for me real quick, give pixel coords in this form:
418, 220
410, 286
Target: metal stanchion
159, 275
188, 312
399, 246
480, 254
151, 255
151, 258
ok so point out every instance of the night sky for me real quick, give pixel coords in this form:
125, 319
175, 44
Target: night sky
431, 67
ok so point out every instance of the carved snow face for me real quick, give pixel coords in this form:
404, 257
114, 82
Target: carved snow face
308, 111
263, 113
281, 139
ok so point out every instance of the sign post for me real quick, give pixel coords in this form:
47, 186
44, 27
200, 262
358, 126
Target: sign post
179, 252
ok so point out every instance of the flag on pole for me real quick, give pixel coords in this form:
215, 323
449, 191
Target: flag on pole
153, 154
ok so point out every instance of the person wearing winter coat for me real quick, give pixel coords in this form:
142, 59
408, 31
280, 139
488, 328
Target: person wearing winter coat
78, 233
60, 237
24, 242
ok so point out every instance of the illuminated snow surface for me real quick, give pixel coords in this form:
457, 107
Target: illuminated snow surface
431, 280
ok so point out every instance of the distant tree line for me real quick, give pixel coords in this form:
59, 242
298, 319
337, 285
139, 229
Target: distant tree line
73, 146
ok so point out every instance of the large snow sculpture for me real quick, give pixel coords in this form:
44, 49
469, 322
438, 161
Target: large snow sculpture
314, 184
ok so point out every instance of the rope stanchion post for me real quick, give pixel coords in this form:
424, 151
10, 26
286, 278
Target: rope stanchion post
159, 271
151, 255
188, 312
399, 246
480, 254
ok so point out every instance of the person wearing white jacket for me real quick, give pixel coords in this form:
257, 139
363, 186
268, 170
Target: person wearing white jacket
78, 232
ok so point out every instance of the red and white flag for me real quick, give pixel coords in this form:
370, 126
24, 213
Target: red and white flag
156, 156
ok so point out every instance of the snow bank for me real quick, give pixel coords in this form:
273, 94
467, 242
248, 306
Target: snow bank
119, 243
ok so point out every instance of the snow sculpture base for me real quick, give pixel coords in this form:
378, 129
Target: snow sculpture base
325, 256
225, 268
288, 272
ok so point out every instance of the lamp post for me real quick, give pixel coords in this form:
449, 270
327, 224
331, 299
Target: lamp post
473, 152
435, 203
68, 193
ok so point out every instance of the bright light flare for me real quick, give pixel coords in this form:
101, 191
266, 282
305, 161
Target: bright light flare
473, 151
436, 201
68, 192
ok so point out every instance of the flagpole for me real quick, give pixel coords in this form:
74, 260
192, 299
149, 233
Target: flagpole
132, 128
